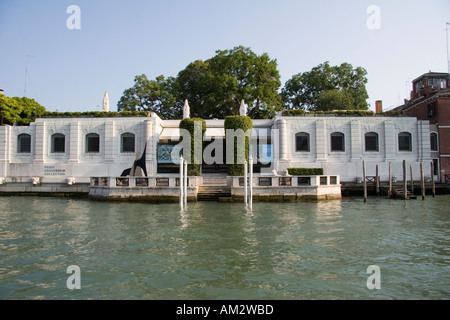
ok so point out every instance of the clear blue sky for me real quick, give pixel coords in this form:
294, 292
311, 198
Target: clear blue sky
69, 70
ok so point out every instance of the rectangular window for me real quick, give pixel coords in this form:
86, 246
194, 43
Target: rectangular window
128, 142
404, 141
323, 181
284, 181
141, 182
337, 142
241, 182
266, 181
371, 141
58, 143
433, 141
24, 143
93, 143
333, 180
436, 167
177, 182
304, 181
122, 182
162, 182
431, 109
302, 142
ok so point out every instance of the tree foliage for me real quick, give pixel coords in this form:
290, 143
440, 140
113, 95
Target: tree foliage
214, 88
326, 87
150, 95
334, 99
19, 110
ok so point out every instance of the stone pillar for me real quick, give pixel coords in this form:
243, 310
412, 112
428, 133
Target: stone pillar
40, 142
109, 141
355, 141
150, 148
321, 141
283, 140
423, 135
74, 141
5, 142
390, 140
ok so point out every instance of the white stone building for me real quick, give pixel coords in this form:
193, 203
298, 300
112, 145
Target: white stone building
68, 151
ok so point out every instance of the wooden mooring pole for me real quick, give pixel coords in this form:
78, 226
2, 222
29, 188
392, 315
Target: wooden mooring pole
422, 181
405, 184
390, 180
364, 181
377, 182
412, 179
433, 186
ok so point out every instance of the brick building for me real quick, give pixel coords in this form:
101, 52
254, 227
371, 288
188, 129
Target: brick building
430, 100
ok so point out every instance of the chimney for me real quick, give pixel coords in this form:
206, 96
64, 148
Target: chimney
379, 106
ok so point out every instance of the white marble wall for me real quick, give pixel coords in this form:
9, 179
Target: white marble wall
110, 161
348, 164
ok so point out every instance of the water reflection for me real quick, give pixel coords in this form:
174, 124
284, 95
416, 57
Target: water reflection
311, 250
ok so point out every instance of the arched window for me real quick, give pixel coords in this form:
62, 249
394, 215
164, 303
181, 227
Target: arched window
127, 143
302, 142
371, 141
24, 143
337, 141
92, 143
58, 143
404, 141
434, 141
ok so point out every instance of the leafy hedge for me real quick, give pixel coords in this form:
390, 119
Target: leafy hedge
95, 114
293, 113
344, 113
238, 122
189, 125
394, 113
305, 171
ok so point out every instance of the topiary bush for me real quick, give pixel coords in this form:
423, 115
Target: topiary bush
305, 171
238, 122
189, 125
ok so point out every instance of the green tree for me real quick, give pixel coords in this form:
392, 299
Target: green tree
334, 99
19, 110
303, 90
150, 95
215, 87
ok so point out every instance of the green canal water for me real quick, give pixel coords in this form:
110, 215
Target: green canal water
308, 250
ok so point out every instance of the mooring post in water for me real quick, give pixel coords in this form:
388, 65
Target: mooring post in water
245, 182
433, 187
181, 182
364, 181
390, 180
185, 181
377, 182
412, 179
405, 183
250, 178
422, 181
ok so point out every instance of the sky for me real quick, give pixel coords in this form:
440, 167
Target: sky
69, 69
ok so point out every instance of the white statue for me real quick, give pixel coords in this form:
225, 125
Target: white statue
186, 110
106, 102
243, 108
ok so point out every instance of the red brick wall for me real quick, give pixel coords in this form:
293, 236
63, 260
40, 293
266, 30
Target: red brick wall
443, 109
420, 111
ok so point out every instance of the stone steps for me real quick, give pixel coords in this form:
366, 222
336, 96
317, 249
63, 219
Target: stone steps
213, 193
